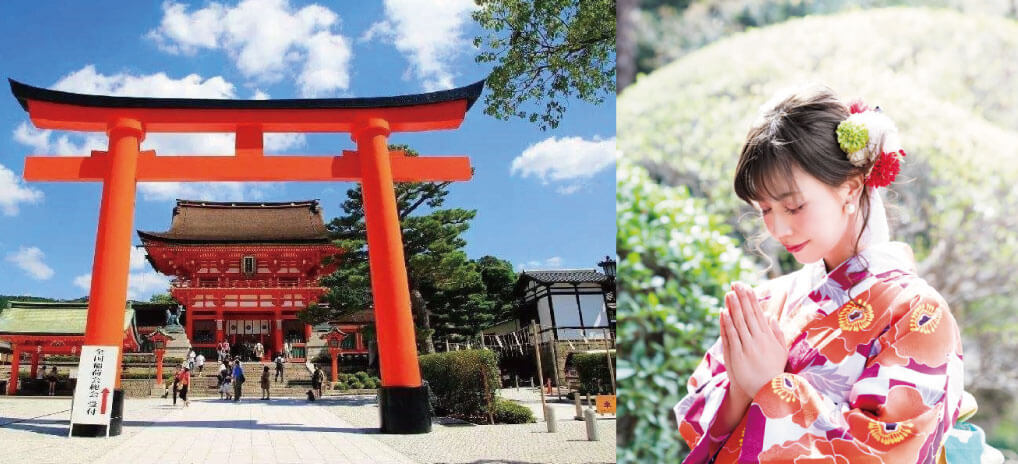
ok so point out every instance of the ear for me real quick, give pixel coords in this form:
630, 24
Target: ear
852, 188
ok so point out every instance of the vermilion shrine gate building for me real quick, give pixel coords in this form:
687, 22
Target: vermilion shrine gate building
44, 328
243, 271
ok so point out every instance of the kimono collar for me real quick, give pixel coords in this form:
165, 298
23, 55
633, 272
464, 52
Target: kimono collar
878, 260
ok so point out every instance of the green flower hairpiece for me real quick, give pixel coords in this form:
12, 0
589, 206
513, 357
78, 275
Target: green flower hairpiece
852, 136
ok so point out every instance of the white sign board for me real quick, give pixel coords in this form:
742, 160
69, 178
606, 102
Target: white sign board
93, 394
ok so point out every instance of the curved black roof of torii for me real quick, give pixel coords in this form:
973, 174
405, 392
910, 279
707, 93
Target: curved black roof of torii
24, 93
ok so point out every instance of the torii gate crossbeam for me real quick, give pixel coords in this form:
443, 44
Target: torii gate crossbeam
126, 120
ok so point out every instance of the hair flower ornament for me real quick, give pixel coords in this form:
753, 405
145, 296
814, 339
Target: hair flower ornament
869, 137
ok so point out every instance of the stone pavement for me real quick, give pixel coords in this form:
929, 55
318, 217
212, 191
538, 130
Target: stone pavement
340, 430
457, 442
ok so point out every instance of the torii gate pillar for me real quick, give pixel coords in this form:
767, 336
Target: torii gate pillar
403, 398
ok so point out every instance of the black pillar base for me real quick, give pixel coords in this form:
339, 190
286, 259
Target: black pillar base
116, 420
405, 410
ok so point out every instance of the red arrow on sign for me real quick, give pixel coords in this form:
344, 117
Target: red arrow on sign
102, 407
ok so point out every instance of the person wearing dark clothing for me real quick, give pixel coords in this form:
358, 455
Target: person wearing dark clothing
279, 368
52, 379
185, 382
176, 385
265, 382
317, 379
238, 379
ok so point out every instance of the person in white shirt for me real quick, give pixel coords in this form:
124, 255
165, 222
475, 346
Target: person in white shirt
200, 362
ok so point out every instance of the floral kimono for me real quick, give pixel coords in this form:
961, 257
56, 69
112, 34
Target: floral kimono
874, 372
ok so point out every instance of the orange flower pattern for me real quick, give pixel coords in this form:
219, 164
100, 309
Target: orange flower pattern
874, 371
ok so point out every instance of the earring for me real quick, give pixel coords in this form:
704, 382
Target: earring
849, 208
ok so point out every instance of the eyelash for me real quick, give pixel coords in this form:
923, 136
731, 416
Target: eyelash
789, 211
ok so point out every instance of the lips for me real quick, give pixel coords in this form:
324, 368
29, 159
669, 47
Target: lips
795, 248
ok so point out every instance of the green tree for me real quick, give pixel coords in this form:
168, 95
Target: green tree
437, 268
162, 298
546, 52
483, 296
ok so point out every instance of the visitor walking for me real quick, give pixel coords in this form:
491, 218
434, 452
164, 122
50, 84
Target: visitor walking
279, 368
52, 379
176, 384
185, 382
317, 379
238, 379
265, 382
259, 350
200, 361
226, 389
190, 360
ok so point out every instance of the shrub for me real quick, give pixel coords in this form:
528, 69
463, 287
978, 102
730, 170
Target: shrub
457, 380
674, 261
510, 412
340, 386
593, 372
356, 385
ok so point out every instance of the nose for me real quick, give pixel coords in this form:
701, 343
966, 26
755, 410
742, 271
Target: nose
782, 228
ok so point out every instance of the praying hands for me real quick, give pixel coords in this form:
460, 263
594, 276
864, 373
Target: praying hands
754, 347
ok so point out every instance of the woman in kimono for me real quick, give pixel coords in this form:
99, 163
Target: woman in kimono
852, 358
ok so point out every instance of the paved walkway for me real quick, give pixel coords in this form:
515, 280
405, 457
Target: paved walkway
334, 430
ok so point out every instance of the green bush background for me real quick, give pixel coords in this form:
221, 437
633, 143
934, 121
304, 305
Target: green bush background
673, 264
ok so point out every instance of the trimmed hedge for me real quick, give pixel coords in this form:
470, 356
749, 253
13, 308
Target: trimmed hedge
457, 382
593, 372
358, 381
510, 412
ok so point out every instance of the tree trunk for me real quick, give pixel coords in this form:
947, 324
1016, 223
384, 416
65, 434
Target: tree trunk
422, 319
625, 44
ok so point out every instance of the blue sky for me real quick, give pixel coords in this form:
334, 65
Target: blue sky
545, 200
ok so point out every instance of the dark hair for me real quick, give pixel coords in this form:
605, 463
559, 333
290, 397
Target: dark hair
797, 130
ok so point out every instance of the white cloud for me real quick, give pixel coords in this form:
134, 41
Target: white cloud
565, 160
29, 259
142, 282
428, 33
84, 281
266, 39
142, 285
555, 262
13, 192
138, 260
88, 80
44, 142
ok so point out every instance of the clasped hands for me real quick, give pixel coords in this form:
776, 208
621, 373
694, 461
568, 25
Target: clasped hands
755, 350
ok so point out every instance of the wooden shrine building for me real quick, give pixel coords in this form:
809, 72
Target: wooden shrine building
243, 271
44, 328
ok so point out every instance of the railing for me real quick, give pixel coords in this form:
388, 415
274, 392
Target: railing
520, 340
244, 283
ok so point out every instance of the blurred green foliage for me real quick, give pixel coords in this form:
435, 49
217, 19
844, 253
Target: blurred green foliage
946, 78
674, 266
667, 30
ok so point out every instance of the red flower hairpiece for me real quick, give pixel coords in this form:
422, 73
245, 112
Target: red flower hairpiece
885, 170
857, 106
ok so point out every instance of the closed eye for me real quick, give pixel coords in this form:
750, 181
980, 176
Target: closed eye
796, 210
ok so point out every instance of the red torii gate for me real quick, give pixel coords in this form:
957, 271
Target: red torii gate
403, 400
